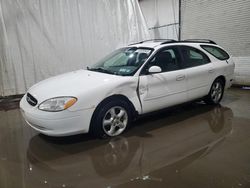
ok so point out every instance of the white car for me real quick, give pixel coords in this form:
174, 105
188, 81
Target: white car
134, 80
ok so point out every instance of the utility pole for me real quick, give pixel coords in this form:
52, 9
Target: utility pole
179, 37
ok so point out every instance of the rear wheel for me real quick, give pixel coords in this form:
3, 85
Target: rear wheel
111, 119
216, 92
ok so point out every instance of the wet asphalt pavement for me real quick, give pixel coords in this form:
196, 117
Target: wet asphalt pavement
189, 146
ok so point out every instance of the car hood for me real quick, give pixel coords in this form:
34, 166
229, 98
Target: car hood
70, 84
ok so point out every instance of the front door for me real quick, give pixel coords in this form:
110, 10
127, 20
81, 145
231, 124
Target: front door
166, 88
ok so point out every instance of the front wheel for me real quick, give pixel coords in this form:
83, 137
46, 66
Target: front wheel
216, 92
111, 119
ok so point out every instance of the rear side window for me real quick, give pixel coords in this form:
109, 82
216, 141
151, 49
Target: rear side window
193, 57
216, 52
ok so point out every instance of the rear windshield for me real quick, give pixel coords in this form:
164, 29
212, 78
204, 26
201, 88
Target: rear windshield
216, 52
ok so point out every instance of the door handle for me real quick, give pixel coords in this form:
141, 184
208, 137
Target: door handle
180, 77
211, 70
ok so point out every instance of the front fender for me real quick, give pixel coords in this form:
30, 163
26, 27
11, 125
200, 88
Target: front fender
126, 86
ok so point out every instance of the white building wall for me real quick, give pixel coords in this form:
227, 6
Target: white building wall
225, 22
162, 18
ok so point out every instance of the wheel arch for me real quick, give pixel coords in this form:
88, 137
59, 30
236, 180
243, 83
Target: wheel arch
207, 98
110, 98
221, 77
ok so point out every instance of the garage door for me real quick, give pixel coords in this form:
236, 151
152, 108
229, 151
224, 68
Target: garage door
227, 23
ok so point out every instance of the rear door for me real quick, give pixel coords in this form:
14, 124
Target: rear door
199, 71
167, 88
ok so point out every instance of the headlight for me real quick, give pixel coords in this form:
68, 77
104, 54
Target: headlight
57, 104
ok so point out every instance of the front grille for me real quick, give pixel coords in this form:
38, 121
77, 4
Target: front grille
31, 100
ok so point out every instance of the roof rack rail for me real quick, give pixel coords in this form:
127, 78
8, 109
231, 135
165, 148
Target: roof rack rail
200, 40
155, 40
169, 41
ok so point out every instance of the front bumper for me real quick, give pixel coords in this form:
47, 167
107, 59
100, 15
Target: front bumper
63, 123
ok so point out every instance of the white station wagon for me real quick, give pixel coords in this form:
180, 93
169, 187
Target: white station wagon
134, 80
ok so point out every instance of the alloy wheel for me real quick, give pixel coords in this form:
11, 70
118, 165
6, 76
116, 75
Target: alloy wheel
216, 92
115, 121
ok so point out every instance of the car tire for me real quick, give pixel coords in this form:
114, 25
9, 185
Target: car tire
216, 92
111, 119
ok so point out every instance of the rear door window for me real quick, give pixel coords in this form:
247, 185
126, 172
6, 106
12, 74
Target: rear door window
193, 57
216, 52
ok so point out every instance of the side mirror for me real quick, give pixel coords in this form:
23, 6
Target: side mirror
154, 69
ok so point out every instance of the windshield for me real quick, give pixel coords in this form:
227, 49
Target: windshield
124, 61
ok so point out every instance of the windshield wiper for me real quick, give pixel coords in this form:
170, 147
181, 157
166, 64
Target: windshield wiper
99, 69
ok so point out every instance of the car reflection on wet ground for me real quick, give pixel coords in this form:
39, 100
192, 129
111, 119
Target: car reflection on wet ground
193, 145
